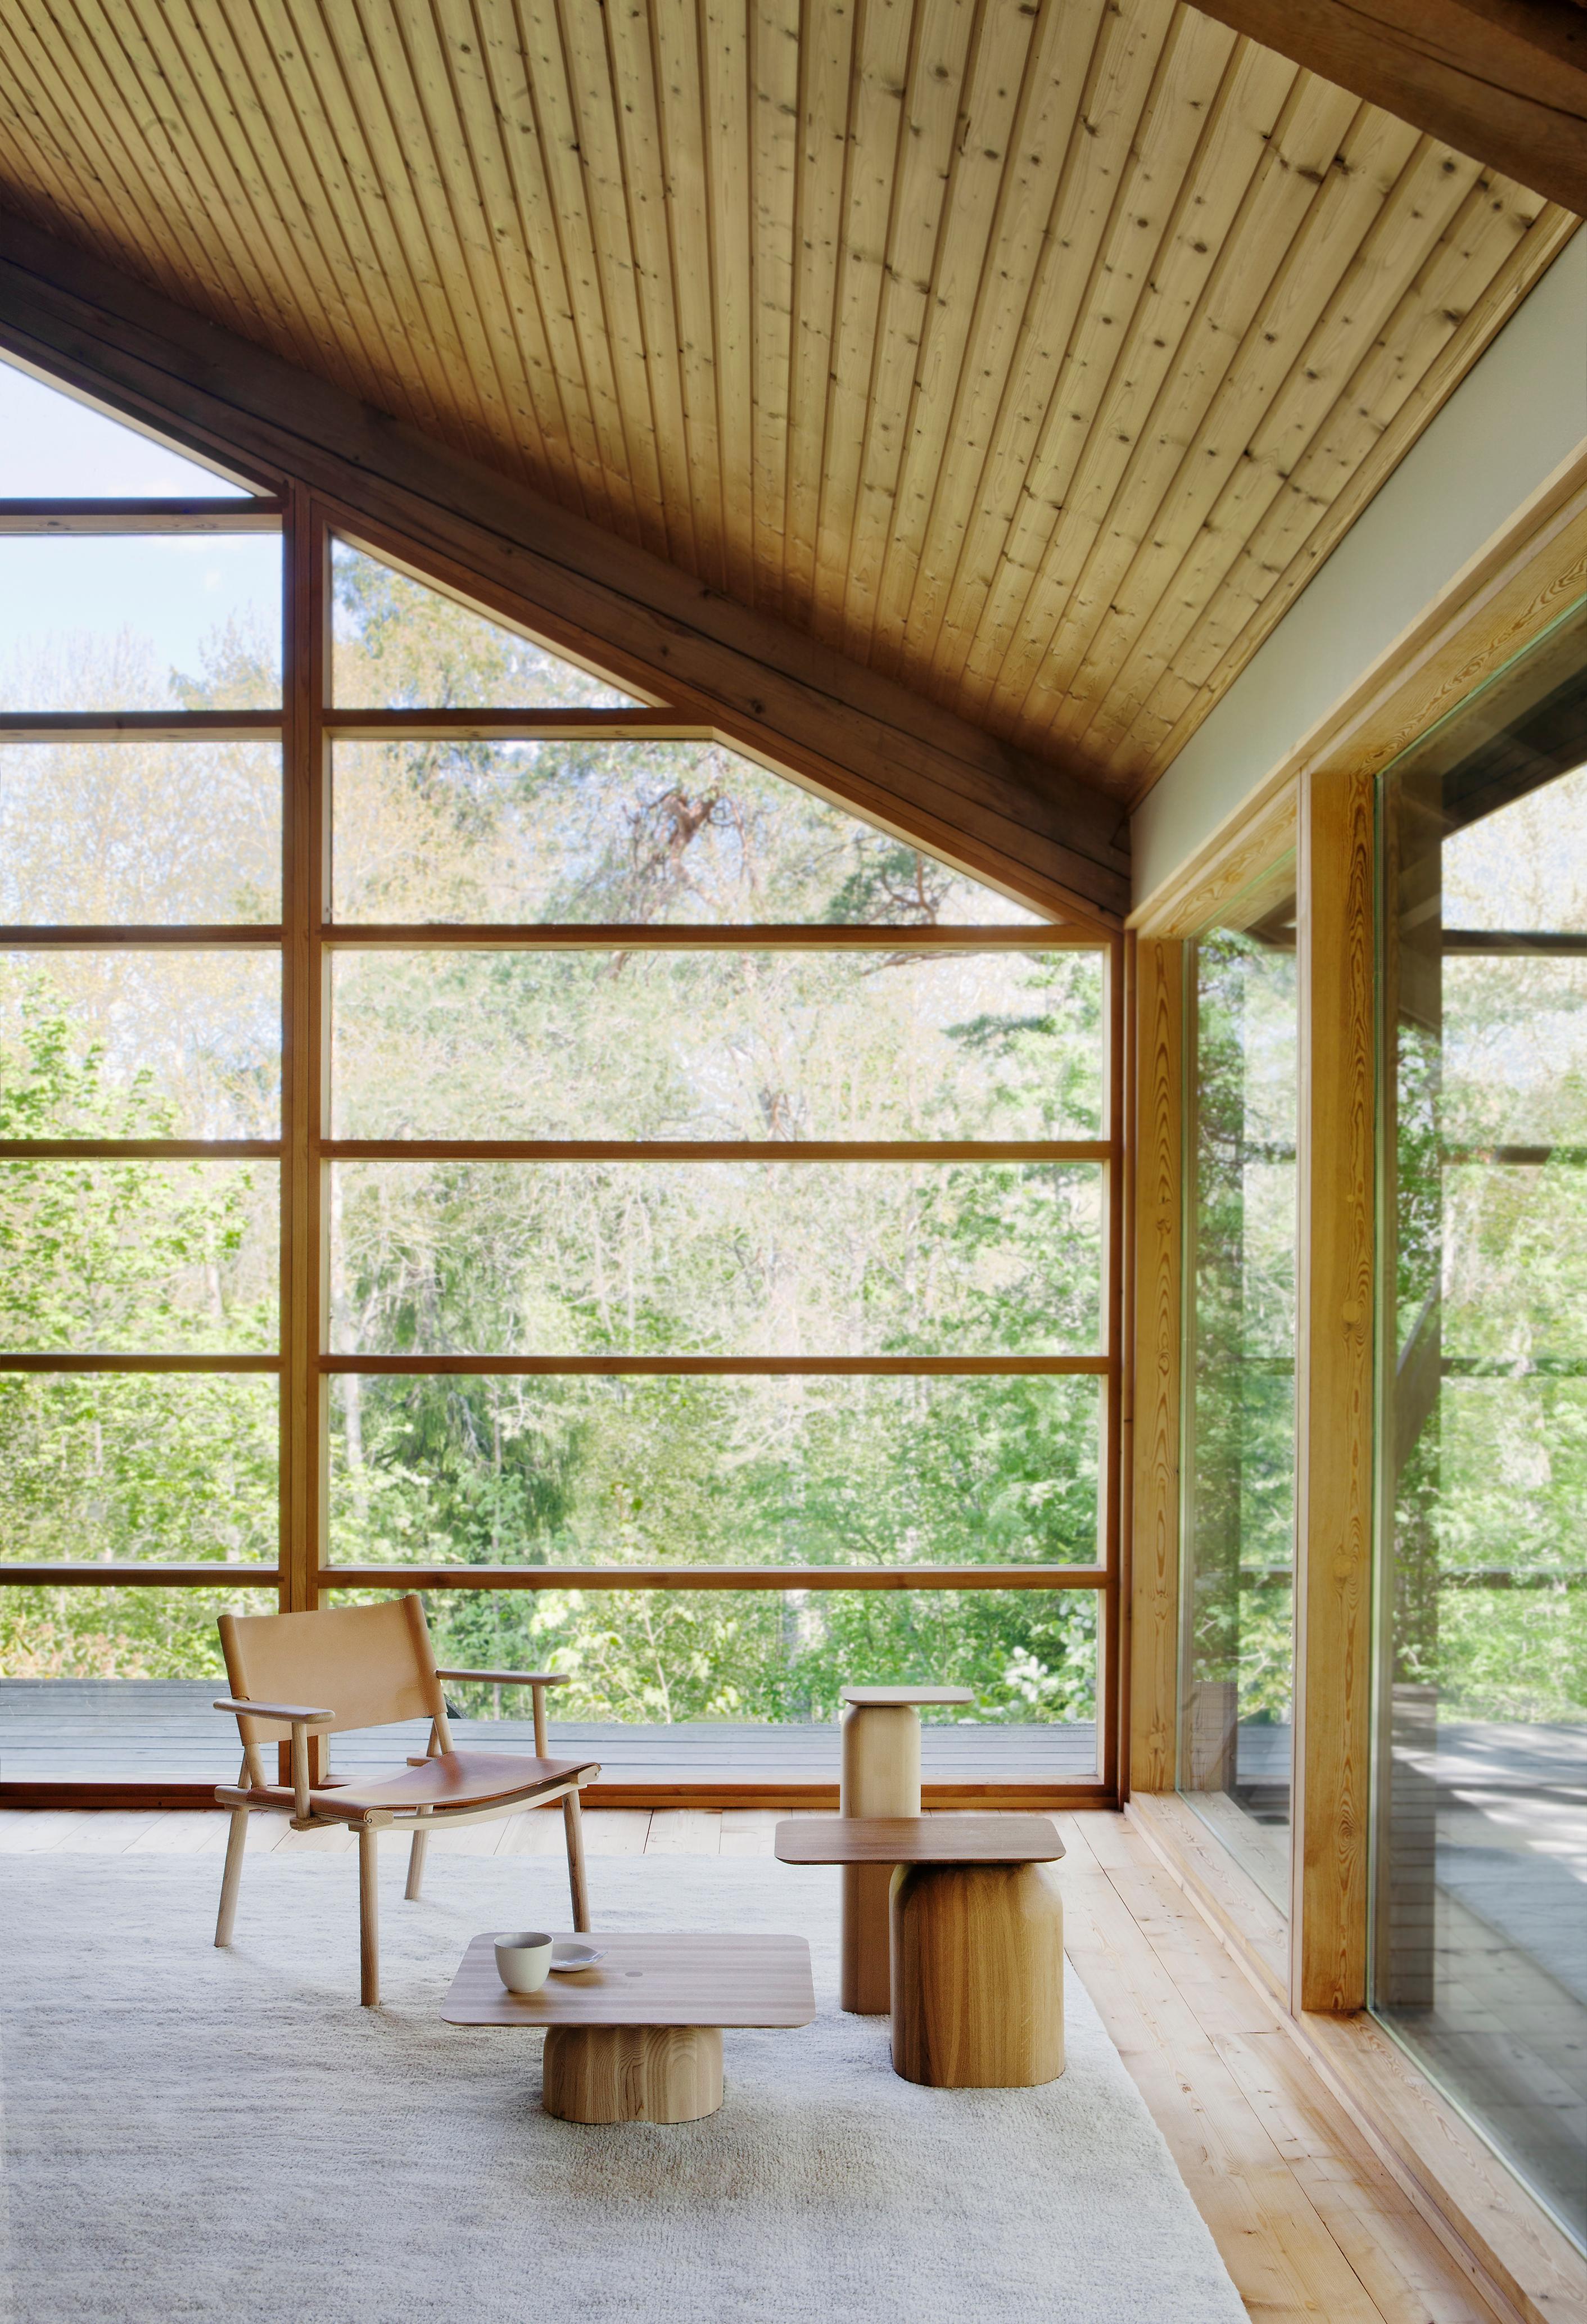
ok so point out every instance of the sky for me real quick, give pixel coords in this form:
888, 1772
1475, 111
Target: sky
172, 591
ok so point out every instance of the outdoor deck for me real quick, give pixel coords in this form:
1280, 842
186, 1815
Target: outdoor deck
148, 1730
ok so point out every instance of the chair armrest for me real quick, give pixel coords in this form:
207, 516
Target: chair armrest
293, 1714
510, 1678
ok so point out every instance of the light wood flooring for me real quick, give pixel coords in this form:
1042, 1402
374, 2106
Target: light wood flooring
1309, 2224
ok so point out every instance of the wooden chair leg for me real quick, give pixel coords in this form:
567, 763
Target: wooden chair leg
236, 1843
575, 1827
415, 1866
368, 1916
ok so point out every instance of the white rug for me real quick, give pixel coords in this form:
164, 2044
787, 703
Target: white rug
228, 2137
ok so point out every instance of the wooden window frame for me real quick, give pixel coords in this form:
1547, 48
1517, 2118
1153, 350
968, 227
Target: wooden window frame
306, 937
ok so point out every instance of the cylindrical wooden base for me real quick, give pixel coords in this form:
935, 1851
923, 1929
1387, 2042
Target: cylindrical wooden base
977, 1975
881, 1777
632, 2073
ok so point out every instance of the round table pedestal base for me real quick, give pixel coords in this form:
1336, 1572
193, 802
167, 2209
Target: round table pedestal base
977, 1975
632, 2073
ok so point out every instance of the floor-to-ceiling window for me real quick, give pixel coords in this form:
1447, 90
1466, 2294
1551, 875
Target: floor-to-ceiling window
682, 1239
1480, 1921
1237, 1637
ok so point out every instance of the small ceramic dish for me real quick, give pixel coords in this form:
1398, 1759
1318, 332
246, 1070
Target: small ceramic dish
566, 1958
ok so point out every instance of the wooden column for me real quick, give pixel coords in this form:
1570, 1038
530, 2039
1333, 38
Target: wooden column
1155, 1376
1335, 1417
303, 1272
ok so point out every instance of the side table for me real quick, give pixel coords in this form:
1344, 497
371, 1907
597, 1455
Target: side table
977, 1939
638, 2038
881, 1777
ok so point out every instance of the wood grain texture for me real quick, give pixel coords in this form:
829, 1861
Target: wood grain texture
647, 1980
1155, 1362
632, 2073
851, 1839
1334, 1392
977, 1975
1032, 356
1506, 79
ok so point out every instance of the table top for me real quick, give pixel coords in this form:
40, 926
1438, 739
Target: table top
646, 1980
883, 1698
919, 1840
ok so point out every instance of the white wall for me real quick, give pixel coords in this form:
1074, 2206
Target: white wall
1515, 417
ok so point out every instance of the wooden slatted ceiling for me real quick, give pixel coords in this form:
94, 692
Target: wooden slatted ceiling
1033, 354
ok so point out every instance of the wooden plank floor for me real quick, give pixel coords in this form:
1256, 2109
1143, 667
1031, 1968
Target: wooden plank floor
1309, 2224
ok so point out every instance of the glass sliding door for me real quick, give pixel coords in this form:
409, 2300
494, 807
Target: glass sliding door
1480, 1916
1237, 1668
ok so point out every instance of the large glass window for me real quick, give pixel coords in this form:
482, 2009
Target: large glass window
1480, 1958
700, 1244
1238, 1460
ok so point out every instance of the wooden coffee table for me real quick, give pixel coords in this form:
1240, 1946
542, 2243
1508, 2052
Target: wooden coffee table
976, 1932
639, 2037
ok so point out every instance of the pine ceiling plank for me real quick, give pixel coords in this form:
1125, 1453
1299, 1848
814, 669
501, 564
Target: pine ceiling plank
683, 127
989, 108
774, 77
824, 112
1305, 233
877, 98
691, 494
1190, 687
993, 428
525, 192
1162, 476
1185, 71
258, 74
1161, 253
724, 40
337, 84
125, 206
336, 175
1118, 82
909, 83
599, 269
1419, 207
414, 128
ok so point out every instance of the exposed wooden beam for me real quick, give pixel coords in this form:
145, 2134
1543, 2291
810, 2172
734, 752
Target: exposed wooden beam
1037, 830
1502, 81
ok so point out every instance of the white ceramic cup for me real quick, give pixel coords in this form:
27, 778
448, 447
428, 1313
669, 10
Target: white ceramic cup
524, 1959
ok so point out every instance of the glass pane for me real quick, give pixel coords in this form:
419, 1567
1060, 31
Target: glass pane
1239, 1459
769, 1470
400, 646
150, 622
723, 1258
53, 448
718, 1044
1479, 1955
117, 1686
172, 1468
97, 834
139, 1257
670, 1677
600, 830
121, 1044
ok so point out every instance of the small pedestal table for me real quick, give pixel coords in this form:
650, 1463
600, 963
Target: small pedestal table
639, 2037
881, 1777
977, 1939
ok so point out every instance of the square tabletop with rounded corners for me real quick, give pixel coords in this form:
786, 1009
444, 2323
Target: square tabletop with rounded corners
646, 1980
890, 1698
919, 1840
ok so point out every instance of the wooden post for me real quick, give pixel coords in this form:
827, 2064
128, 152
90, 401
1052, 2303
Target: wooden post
1334, 1401
1156, 1326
